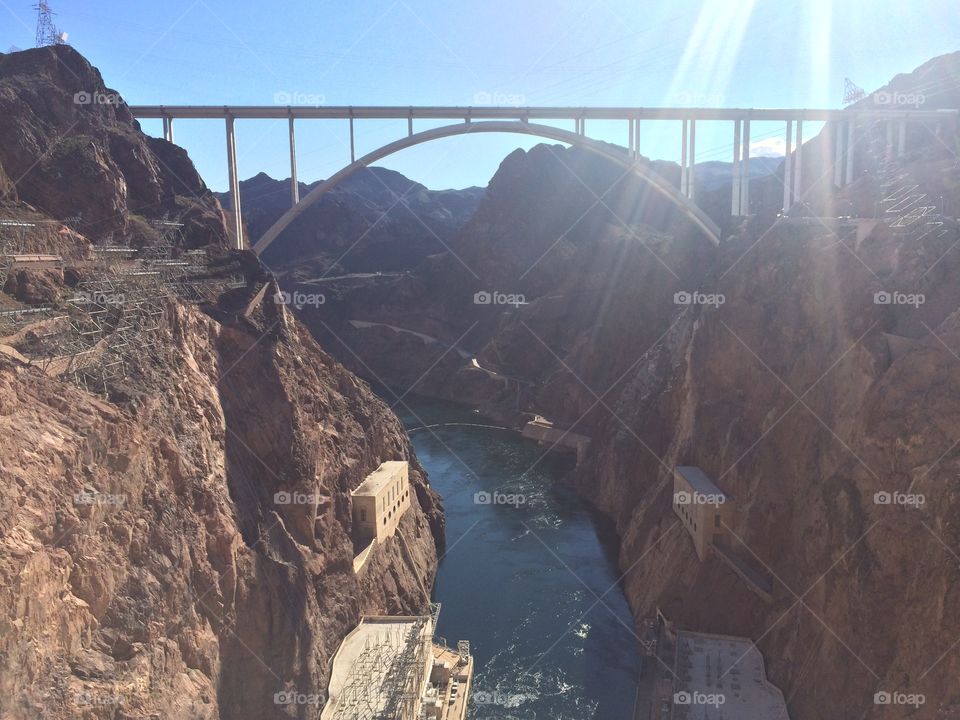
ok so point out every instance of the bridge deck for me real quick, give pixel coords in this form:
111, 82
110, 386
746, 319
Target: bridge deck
441, 112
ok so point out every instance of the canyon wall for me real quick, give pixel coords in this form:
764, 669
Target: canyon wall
808, 366
180, 544
147, 566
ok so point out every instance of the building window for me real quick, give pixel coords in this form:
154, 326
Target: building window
716, 520
363, 516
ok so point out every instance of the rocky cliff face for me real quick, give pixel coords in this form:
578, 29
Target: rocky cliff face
505, 294
149, 570
801, 398
181, 545
70, 149
793, 367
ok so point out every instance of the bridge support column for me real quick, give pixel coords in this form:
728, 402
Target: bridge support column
851, 144
353, 153
692, 164
630, 138
294, 186
798, 165
683, 159
745, 170
234, 185
788, 169
735, 176
902, 143
636, 137
838, 154
168, 128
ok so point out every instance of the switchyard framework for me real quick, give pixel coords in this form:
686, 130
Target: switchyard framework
394, 663
108, 322
384, 667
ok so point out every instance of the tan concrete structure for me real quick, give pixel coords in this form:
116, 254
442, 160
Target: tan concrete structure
380, 501
699, 676
705, 510
720, 677
448, 692
380, 669
543, 431
393, 668
518, 120
360, 559
35, 261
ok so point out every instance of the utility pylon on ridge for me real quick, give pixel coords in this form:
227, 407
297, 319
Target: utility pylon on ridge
852, 92
47, 32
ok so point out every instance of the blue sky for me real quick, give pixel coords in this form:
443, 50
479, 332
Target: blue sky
732, 53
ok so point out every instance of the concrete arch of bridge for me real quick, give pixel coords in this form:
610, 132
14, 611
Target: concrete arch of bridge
641, 169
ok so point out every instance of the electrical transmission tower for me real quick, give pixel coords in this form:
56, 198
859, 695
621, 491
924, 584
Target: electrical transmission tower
47, 32
852, 92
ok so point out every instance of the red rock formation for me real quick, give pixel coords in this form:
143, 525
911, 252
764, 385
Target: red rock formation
182, 589
147, 567
70, 148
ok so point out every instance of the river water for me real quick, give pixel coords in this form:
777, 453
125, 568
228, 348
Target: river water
525, 564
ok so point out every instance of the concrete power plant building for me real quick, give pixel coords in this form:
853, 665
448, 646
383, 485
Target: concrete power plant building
378, 504
705, 510
708, 514
380, 501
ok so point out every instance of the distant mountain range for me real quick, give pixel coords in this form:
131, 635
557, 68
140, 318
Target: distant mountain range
714, 174
385, 220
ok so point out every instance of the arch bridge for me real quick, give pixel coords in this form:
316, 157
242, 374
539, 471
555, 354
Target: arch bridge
843, 126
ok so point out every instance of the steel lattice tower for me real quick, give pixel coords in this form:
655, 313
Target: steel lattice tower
47, 32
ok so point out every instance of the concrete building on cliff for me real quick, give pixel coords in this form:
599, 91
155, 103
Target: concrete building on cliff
378, 504
707, 513
705, 510
381, 500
